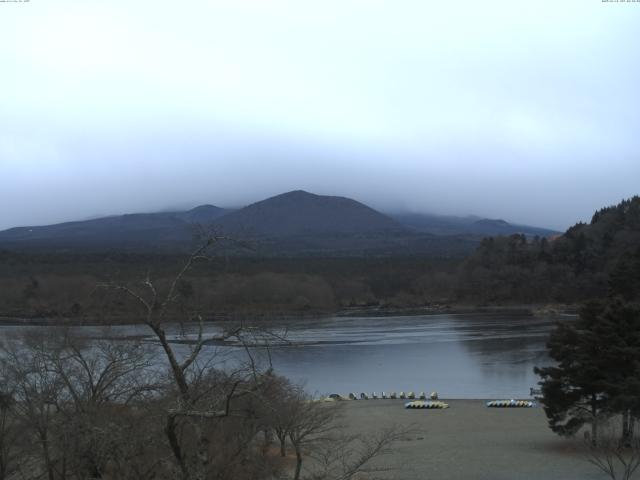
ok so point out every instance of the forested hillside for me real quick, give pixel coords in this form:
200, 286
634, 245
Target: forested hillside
582, 264
575, 266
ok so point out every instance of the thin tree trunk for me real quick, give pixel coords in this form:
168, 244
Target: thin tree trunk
594, 422
4, 457
170, 431
283, 447
203, 453
47, 457
178, 373
627, 428
298, 463
268, 438
49, 464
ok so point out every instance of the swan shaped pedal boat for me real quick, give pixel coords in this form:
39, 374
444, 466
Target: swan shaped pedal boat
511, 404
428, 404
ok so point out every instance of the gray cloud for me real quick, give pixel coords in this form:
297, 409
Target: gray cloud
502, 109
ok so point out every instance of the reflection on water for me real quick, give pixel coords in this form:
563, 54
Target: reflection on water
460, 356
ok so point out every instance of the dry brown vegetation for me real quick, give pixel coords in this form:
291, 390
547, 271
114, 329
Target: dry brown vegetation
63, 286
78, 408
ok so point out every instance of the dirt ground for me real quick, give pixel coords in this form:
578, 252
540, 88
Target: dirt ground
470, 441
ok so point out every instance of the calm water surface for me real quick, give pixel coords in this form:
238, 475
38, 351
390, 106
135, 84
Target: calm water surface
460, 356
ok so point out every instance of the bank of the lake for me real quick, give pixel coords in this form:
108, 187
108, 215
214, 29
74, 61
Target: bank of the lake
469, 441
536, 309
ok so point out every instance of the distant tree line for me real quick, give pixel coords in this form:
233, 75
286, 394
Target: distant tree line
516, 269
63, 286
572, 268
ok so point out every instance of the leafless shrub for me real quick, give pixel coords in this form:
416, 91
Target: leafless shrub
616, 458
202, 395
73, 399
343, 457
100, 408
10, 436
314, 430
312, 423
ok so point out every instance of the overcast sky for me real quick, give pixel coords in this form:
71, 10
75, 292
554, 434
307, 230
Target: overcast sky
522, 110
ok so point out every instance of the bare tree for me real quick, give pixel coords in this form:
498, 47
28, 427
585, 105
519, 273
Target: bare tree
315, 430
37, 391
99, 408
311, 422
616, 457
196, 401
102, 371
281, 399
70, 396
101, 379
345, 456
9, 437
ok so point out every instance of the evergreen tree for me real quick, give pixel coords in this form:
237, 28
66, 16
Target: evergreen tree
573, 390
598, 369
625, 277
618, 329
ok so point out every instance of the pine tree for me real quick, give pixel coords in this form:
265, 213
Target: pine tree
598, 369
573, 390
624, 280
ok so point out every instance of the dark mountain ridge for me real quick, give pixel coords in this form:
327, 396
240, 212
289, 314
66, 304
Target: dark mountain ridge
134, 231
471, 225
295, 223
299, 213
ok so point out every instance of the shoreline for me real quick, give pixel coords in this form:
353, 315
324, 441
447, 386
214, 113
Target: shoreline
535, 310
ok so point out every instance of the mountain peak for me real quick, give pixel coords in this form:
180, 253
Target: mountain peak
297, 193
202, 214
302, 213
293, 195
205, 207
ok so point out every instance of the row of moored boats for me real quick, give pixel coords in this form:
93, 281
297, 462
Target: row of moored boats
421, 401
384, 395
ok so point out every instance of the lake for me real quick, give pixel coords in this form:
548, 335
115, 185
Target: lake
459, 356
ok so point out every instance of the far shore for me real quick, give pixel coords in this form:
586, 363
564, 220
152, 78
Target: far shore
470, 441
541, 310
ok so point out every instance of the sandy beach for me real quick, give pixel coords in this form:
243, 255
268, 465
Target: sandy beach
470, 441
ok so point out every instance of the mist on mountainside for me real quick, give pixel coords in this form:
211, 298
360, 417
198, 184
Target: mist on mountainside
296, 223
